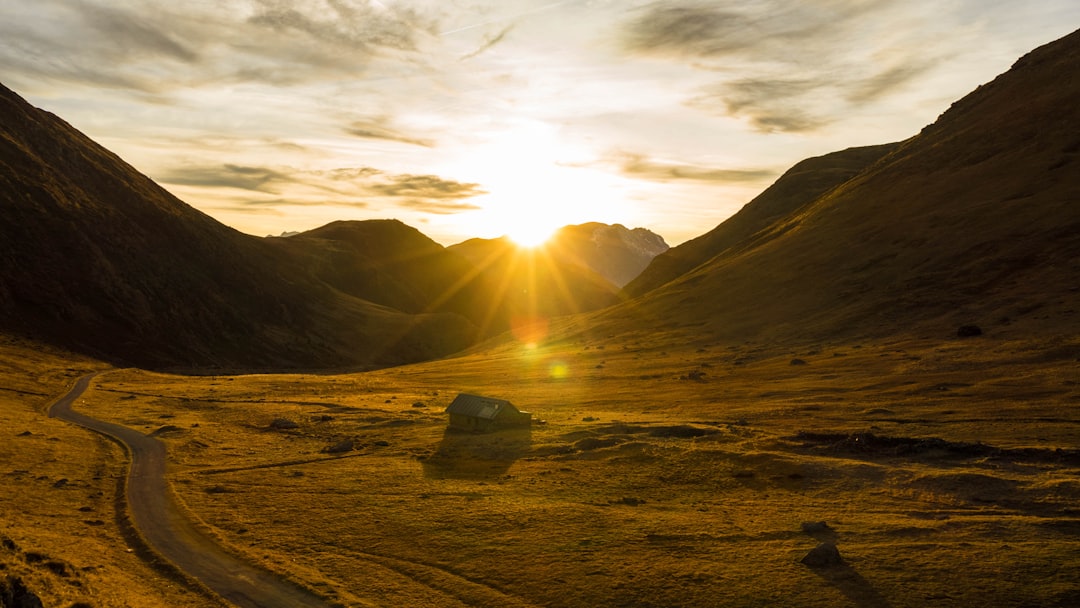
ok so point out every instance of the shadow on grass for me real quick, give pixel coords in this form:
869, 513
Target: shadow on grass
465, 455
852, 584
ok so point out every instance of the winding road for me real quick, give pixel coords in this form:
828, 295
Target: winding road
171, 534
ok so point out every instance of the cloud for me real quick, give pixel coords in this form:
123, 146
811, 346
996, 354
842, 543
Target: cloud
438, 207
426, 187
349, 185
489, 41
154, 46
784, 65
378, 129
643, 167
259, 179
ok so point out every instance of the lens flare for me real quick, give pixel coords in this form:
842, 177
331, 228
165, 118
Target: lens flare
559, 370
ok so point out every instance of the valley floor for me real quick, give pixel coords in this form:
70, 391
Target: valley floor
947, 473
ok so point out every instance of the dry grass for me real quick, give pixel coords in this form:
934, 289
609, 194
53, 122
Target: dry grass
644, 487
58, 485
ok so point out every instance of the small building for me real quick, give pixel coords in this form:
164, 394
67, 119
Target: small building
476, 413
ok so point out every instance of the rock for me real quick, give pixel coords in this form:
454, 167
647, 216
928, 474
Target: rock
798, 362
340, 447
419, 404
382, 443
24, 434
813, 527
14, 594
168, 429
968, 331
60, 483
823, 555
695, 375
283, 423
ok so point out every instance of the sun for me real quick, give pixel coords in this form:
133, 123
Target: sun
531, 234
535, 183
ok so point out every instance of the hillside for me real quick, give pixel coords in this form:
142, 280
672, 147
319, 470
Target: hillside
973, 221
100, 259
615, 252
798, 186
534, 283
391, 264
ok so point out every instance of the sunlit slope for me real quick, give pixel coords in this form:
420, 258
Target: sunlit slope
976, 220
796, 188
616, 252
532, 283
99, 258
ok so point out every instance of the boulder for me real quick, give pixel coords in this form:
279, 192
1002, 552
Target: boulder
283, 424
823, 555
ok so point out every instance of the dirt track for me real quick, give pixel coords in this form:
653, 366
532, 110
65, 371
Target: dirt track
171, 534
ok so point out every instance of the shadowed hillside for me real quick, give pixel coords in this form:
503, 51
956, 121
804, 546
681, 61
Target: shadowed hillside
799, 186
976, 220
391, 264
98, 258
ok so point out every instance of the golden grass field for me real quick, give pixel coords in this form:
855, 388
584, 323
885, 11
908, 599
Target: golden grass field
643, 487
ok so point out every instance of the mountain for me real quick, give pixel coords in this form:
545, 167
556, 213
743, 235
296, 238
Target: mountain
100, 259
975, 220
615, 252
391, 264
799, 186
533, 283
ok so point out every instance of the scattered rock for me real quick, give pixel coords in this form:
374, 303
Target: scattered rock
60, 482
14, 594
589, 419
322, 418
968, 331
823, 555
681, 431
283, 424
24, 434
695, 375
168, 429
798, 362
341, 447
814, 527
419, 404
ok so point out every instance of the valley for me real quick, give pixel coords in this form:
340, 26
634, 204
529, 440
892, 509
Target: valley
944, 470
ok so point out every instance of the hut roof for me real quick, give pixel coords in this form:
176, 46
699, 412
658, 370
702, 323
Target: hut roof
478, 407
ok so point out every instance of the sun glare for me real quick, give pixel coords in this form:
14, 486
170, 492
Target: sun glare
536, 183
531, 234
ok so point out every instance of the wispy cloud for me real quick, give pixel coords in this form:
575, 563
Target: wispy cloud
784, 66
643, 166
426, 187
381, 129
489, 41
291, 186
150, 46
259, 179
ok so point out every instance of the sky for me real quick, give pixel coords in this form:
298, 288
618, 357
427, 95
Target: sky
479, 118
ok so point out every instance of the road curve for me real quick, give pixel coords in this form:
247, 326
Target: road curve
174, 536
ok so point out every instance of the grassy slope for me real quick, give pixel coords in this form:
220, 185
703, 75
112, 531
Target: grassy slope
975, 220
797, 187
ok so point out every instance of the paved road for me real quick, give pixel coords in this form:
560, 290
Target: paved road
171, 534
